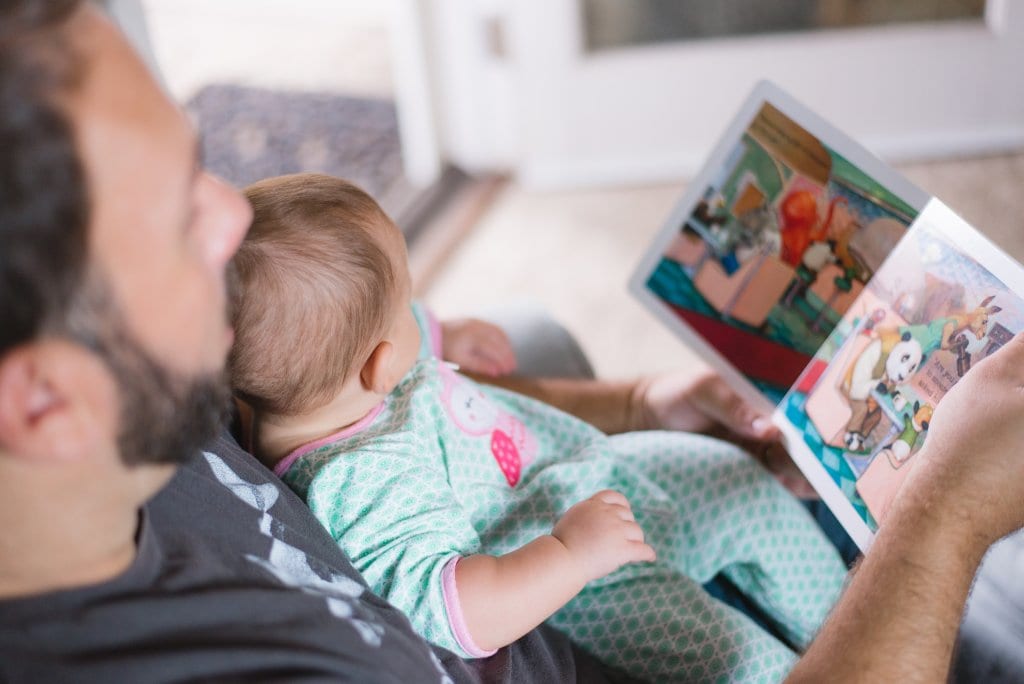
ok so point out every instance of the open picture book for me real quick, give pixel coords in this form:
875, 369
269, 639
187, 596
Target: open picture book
832, 294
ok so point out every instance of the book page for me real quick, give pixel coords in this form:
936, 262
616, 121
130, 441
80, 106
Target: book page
772, 243
945, 299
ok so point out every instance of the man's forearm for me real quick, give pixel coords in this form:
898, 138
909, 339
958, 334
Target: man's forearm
610, 406
898, 619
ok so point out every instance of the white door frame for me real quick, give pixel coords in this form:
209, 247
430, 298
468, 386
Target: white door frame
559, 116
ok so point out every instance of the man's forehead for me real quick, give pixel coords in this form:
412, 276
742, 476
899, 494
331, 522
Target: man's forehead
137, 147
118, 102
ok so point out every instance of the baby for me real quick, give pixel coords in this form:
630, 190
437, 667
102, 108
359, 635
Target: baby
473, 509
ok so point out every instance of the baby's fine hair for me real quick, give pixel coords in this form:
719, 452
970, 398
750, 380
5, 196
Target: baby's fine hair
311, 293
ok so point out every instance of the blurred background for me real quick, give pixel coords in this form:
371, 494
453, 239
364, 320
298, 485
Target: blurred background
531, 150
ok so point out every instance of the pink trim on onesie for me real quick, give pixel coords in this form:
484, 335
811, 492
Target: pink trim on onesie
285, 463
455, 616
435, 332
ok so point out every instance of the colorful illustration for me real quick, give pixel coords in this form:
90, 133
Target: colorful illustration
512, 444
777, 249
865, 402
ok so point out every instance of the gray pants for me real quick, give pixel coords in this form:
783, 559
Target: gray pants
991, 646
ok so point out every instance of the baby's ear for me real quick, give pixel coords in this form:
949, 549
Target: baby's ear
376, 375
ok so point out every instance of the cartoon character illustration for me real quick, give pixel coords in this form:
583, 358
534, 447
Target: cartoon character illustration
801, 226
914, 427
953, 332
732, 240
976, 321
861, 424
843, 228
760, 224
511, 443
958, 344
815, 258
889, 360
711, 213
469, 408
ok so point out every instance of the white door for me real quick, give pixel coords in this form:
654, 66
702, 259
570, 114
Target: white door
595, 99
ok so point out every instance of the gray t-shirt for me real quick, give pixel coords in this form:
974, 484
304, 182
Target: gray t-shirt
234, 579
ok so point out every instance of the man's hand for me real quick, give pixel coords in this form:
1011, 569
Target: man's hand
602, 534
477, 346
705, 403
971, 463
965, 490
697, 402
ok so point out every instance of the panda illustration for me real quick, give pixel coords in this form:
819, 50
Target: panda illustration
889, 360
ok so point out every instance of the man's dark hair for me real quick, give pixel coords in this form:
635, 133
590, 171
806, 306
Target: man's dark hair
43, 197
46, 283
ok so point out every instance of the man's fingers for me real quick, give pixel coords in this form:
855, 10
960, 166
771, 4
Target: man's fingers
778, 461
1010, 357
723, 404
799, 487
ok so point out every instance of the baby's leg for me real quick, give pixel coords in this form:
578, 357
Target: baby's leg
661, 626
729, 515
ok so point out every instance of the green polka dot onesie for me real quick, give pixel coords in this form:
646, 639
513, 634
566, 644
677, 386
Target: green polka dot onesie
446, 468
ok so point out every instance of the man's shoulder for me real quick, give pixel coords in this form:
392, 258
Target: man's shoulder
235, 578
232, 576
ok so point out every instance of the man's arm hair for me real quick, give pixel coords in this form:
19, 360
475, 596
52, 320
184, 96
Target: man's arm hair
610, 406
897, 620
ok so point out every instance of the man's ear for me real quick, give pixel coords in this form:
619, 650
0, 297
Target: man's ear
57, 402
376, 373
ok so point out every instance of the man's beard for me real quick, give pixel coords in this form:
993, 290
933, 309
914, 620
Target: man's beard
165, 416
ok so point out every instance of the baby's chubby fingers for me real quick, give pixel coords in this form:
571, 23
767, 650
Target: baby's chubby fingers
618, 501
602, 534
635, 549
641, 553
632, 531
610, 496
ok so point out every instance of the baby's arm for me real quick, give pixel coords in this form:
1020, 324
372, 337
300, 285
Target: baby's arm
504, 597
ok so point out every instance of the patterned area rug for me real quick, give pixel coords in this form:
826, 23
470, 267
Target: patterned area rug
249, 134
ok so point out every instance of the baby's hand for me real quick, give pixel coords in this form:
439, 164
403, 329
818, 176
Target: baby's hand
477, 346
602, 534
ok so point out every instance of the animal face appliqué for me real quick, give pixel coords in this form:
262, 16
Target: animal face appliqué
904, 360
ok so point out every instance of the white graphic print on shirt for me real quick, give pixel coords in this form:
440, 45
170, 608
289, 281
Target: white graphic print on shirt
290, 565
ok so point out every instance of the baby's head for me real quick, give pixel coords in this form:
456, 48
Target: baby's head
320, 301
